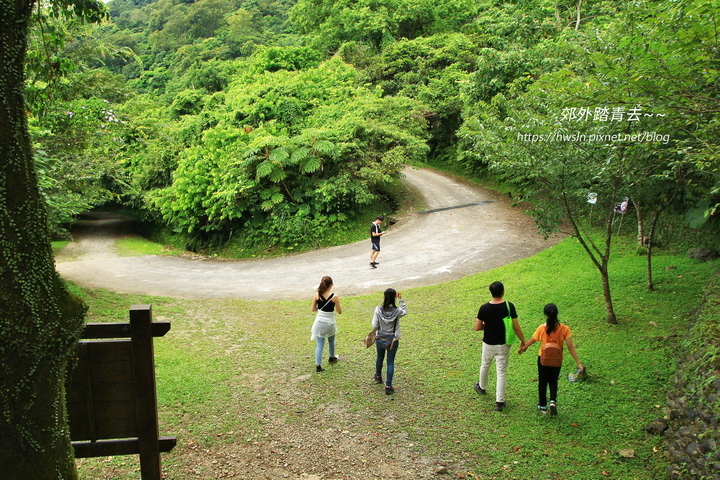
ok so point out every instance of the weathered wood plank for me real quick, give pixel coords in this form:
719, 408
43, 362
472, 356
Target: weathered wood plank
127, 446
112, 395
120, 330
145, 390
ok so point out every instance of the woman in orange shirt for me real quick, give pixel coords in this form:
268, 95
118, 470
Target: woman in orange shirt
551, 331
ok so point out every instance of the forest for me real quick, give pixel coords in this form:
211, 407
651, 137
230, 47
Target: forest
210, 119
278, 125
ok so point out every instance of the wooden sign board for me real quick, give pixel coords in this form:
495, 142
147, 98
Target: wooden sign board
111, 392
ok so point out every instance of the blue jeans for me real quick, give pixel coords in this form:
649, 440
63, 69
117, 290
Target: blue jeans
390, 362
319, 348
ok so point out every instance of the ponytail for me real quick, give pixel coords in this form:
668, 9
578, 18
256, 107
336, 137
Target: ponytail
389, 299
551, 312
325, 284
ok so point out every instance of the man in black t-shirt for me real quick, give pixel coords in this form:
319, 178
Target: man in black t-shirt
490, 320
375, 234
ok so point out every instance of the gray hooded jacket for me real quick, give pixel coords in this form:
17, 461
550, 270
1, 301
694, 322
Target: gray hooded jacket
383, 321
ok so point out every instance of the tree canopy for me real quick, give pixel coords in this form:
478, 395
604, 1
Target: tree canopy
286, 119
213, 119
240, 90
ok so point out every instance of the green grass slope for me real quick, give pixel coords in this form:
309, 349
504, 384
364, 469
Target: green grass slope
227, 364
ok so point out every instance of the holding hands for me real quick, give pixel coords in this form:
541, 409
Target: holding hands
524, 346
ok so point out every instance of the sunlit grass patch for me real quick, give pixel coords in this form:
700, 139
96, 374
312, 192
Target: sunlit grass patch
138, 246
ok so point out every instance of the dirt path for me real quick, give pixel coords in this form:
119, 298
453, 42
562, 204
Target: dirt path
464, 230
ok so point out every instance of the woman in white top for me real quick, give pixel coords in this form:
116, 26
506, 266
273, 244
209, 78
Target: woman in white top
386, 322
325, 303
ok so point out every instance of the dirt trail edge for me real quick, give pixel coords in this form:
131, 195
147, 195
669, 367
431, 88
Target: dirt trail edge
464, 230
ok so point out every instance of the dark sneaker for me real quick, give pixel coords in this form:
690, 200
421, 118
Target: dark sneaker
319, 369
389, 390
373, 265
542, 409
333, 360
553, 408
479, 390
378, 379
499, 406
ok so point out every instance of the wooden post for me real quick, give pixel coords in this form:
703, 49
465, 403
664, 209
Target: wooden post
143, 360
112, 395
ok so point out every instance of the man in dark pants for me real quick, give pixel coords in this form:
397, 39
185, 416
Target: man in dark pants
375, 234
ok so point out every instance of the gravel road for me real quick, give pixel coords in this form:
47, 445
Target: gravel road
463, 230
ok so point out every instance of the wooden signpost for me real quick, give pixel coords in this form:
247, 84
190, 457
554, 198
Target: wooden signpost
111, 393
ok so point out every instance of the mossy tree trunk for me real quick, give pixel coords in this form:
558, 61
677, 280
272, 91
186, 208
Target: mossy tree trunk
39, 320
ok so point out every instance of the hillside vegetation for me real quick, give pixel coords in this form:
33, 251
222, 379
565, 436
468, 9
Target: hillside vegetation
291, 119
265, 125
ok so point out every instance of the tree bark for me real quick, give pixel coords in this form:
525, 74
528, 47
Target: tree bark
578, 17
648, 262
609, 309
605, 260
650, 243
640, 223
39, 320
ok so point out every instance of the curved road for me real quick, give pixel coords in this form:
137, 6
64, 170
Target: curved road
464, 230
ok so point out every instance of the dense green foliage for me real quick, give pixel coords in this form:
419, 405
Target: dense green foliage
288, 153
275, 122
620, 114
291, 117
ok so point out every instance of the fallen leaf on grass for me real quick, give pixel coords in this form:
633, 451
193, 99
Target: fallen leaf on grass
626, 453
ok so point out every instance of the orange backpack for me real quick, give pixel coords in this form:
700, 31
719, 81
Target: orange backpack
551, 354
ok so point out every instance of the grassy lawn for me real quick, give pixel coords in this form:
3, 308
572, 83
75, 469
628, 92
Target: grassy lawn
227, 364
59, 245
131, 246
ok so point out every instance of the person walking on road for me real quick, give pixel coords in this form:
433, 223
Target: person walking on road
386, 322
375, 234
551, 335
490, 319
325, 303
